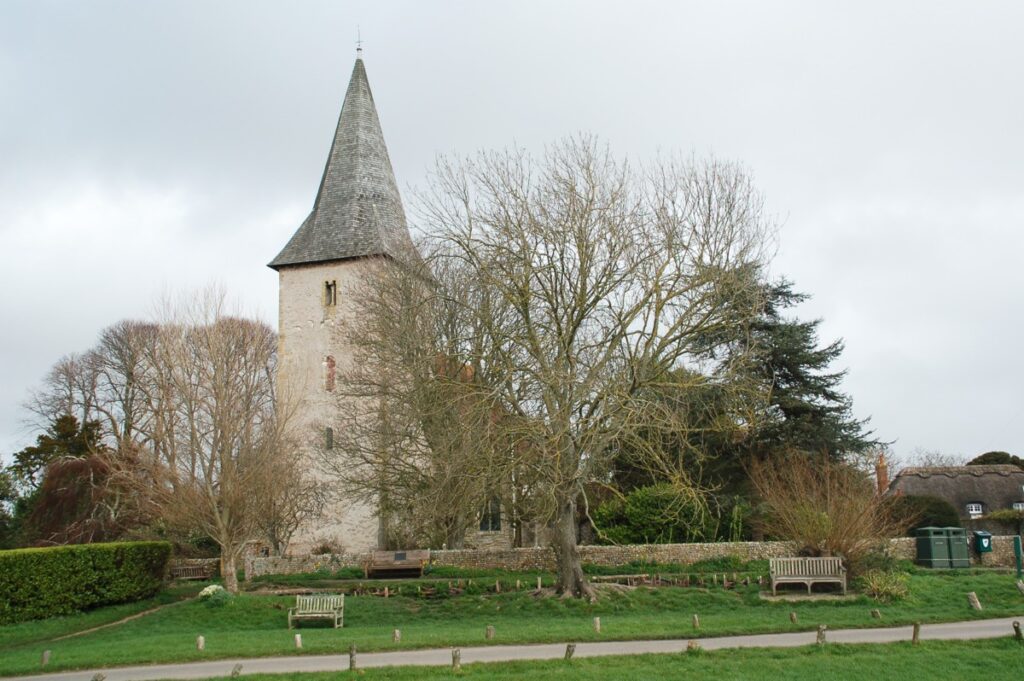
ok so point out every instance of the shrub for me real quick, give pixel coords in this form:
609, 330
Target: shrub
656, 514
1009, 518
884, 585
38, 583
827, 508
925, 511
215, 596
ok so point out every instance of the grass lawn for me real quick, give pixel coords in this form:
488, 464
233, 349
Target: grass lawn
992, 660
255, 625
24, 633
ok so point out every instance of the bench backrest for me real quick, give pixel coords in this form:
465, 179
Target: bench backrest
806, 567
415, 558
320, 603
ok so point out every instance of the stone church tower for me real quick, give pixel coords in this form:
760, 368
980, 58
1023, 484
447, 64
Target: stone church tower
357, 216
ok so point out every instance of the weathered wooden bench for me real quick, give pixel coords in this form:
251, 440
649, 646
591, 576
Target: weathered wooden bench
807, 571
191, 571
318, 607
396, 563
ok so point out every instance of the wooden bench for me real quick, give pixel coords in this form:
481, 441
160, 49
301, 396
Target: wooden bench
191, 571
318, 607
807, 571
396, 563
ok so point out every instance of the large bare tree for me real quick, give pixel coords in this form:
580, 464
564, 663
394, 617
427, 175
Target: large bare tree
218, 433
553, 302
193, 423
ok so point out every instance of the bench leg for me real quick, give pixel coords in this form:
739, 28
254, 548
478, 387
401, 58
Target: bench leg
809, 588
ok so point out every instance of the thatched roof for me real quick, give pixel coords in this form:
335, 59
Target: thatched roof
994, 487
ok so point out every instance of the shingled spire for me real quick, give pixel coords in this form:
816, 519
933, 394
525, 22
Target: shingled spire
358, 211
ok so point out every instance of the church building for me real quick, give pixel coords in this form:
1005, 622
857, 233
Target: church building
357, 217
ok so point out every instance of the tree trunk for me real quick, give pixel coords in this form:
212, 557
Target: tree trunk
571, 580
229, 572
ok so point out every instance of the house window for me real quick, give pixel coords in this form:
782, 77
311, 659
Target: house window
974, 510
1018, 506
331, 293
329, 438
329, 374
490, 517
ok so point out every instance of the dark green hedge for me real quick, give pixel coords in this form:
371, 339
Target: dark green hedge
38, 583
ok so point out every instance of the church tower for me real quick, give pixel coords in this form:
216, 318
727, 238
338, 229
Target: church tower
357, 216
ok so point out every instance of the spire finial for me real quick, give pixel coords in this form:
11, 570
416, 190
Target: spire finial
359, 43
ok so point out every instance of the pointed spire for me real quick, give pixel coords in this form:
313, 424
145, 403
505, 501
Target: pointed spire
358, 210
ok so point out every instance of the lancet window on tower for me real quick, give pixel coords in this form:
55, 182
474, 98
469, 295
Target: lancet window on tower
330, 293
329, 374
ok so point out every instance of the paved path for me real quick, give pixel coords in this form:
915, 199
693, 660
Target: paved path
976, 629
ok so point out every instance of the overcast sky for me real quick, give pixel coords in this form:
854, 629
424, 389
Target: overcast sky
158, 146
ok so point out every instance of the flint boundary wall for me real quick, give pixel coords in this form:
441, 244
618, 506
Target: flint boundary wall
543, 558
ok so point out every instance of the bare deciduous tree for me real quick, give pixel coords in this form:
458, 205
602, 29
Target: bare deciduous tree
582, 282
218, 436
193, 424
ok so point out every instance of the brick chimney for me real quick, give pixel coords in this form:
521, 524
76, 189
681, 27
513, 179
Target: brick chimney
882, 474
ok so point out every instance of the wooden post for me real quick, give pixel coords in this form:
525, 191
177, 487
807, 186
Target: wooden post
386, 592
696, 621
200, 643
298, 640
497, 586
1016, 632
489, 632
876, 613
1020, 586
352, 657
45, 660
569, 650
821, 634
396, 636
456, 660
916, 636
538, 583
792, 617
597, 624
972, 598
519, 585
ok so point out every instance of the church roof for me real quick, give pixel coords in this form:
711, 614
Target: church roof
358, 211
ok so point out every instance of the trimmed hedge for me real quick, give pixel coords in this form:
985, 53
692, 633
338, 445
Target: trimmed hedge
38, 583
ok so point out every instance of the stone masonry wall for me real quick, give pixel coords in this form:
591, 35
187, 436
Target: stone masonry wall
543, 558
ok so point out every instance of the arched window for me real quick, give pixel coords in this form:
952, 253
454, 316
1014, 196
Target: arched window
329, 374
490, 516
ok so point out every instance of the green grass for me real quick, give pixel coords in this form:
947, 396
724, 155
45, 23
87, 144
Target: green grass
255, 625
991, 660
23, 633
